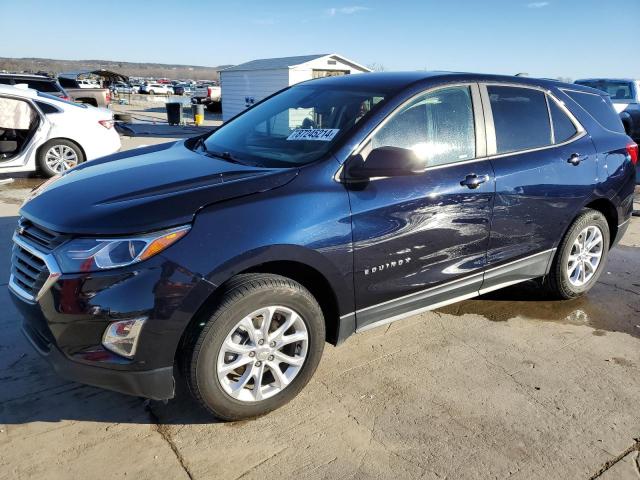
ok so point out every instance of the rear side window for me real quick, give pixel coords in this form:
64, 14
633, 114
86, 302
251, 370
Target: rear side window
437, 126
520, 118
43, 86
600, 108
563, 127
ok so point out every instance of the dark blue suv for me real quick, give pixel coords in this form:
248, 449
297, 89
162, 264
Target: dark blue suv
332, 207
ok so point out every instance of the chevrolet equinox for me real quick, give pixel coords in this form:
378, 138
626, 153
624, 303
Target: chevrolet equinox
331, 207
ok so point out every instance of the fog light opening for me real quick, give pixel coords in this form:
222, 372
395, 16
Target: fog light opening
121, 337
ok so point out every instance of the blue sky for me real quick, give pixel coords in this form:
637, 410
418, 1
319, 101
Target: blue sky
569, 38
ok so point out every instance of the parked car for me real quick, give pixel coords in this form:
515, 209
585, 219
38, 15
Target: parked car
98, 97
86, 83
182, 89
332, 207
122, 88
625, 95
208, 94
156, 89
42, 132
37, 82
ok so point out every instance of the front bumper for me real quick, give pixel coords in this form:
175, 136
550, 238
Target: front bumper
155, 384
66, 323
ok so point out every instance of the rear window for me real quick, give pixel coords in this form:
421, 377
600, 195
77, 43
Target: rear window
520, 117
617, 90
600, 108
39, 85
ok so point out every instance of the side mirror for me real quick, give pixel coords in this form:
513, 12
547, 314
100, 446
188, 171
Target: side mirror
384, 162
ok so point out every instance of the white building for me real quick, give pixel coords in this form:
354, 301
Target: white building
248, 83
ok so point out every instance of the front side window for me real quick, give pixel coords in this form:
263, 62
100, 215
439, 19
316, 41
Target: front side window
438, 127
520, 118
295, 127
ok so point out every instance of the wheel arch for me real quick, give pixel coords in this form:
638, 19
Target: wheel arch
309, 274
606, 208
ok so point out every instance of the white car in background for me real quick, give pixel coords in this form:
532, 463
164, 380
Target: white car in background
157, 89
45, 133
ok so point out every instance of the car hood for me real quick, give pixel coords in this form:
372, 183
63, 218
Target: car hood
143, 190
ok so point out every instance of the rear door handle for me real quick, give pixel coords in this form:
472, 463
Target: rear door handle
574, 159
474, 181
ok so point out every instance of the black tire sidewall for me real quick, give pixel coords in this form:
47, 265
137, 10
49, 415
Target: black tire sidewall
564, 287
205, 356
42, 151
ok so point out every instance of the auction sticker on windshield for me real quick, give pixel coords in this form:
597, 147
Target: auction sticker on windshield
317, 134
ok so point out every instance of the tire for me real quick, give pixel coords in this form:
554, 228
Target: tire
560, 283
45, 157
151, 92
205, 357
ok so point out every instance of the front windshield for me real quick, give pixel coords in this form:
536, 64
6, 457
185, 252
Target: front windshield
293, 128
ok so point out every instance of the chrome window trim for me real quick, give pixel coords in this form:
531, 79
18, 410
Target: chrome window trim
50, 263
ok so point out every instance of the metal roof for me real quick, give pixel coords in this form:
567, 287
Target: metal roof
114, 76
286, 62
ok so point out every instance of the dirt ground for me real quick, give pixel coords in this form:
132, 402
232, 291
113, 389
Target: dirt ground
506, 385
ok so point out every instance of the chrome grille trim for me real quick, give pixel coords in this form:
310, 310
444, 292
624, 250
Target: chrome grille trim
19, 274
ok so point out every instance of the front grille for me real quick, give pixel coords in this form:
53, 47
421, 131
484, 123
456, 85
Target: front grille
28, 271
33, 267
43, 238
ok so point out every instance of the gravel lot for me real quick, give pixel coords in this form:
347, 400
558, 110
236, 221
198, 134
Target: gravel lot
507, 385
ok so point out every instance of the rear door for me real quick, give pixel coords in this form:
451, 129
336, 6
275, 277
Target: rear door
421, 240
545, 168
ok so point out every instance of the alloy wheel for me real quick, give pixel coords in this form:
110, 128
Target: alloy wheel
60, 158
584, 258
262, 354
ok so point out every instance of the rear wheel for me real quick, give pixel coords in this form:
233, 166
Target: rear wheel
581, 256
57, 156
258, 349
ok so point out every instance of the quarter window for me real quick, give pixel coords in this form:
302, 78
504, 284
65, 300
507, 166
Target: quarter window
437, 126
563, 127
520, 118
599, 108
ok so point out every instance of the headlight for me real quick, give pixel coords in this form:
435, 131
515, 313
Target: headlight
94, 254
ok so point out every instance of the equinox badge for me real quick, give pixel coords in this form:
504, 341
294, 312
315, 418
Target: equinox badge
385, 266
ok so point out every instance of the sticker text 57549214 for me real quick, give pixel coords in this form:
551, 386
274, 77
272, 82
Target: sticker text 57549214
317, 134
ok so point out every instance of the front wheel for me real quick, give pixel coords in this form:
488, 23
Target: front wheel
258, 349
581, 256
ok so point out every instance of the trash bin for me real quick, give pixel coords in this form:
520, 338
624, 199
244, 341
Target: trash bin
174, 113
198, 113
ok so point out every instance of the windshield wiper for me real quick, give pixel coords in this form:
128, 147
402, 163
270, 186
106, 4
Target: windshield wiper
223, 155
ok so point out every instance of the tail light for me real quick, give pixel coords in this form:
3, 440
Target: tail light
65, 97
632, 151
107, 96
106, 123
209, 92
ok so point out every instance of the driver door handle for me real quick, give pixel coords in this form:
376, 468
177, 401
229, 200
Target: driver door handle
474, 181
574, 159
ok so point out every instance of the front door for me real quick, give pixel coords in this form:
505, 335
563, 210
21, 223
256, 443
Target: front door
421, 240
20, 129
